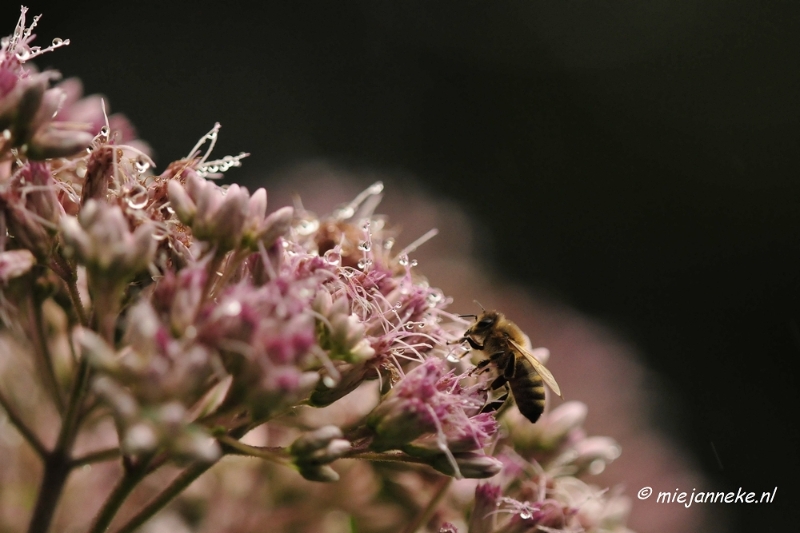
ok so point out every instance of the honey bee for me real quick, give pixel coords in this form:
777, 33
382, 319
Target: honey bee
503, 343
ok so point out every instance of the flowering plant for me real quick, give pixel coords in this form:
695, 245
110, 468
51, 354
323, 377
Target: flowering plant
164, 323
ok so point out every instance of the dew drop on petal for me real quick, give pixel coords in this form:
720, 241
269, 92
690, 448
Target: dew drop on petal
403, 260
333, 257
413, 263
232, 308
137, 197
365, 246
453, 358
525, 515
307, 226
364, 263
57, 41
142, 166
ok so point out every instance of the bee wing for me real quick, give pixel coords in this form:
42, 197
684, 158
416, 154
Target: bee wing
547, 377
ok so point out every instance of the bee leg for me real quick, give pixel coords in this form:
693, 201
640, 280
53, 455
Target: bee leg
494, 405
480, 367
498, 402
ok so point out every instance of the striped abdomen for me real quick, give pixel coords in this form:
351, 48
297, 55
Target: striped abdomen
528, 389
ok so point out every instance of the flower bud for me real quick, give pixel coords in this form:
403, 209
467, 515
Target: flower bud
323, 473
101, 239
50, 142
470, 465
319, 447
487, 498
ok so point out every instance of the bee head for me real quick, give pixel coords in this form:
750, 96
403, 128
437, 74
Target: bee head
484, 323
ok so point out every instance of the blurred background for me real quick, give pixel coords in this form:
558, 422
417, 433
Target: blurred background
633, 162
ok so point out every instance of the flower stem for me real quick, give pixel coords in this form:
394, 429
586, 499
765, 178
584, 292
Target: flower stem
57, 464
133, 475
425, 513
387, 457
56, 471
96, 457
234, 446
42, 351
24, 430
156, 504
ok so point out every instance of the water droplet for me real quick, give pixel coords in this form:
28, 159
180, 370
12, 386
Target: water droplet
398, 305
364, 263
137, 197
142, 166
22, 55
307, 226
57, 41
80, 169
159, 233
365, 246
453, 358
388, 243
433, 298
413, 263
233, 308
365, 225
333, 257
410, 325
525, 514
403, 260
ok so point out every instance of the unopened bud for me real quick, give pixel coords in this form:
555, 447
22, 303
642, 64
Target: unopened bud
323, 473
470, 465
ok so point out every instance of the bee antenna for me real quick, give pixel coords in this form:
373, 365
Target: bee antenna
479, 305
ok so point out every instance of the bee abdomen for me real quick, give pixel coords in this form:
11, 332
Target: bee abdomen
528, 390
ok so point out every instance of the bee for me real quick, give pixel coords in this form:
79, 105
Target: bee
503, 343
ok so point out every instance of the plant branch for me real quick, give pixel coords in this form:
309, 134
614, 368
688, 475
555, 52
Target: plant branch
426, 513
96, 457
233, 446
132, 476
164, 497
42, 351
24, 430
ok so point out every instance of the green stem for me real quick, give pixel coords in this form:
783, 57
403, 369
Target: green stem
384, 457
24, 430
275, 454
133, 475
156, 504
42, 351
426, 513
56, 471
57, 465
96, 457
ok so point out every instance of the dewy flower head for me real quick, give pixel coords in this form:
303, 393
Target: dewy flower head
101, 239
227, 218
429, 415
28, 106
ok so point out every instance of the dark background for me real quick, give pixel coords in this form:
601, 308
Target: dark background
637, 159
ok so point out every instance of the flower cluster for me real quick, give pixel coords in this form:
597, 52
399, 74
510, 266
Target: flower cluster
178, 318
